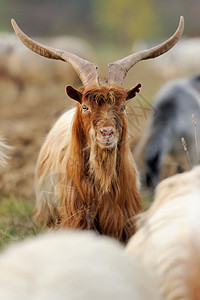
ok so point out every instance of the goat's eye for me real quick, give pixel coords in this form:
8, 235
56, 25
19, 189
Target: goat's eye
85, 108
122, 109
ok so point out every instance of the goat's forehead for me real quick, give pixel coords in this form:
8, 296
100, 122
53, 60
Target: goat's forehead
105, 92
104, 98
103, 107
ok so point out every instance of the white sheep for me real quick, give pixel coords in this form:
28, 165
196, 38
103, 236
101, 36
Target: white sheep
73, 265
20, 65
169, 238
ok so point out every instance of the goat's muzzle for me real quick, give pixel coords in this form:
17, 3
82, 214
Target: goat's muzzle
106, 136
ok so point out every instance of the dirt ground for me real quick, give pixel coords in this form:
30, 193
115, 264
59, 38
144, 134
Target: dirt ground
25, 118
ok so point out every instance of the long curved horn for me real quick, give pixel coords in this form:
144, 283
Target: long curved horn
119, 68
86, 71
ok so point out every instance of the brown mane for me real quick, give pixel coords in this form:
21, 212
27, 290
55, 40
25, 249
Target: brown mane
97, 191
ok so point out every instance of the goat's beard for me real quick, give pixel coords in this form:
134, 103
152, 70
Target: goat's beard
103, 166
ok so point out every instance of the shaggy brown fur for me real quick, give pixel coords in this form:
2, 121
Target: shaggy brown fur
93, 187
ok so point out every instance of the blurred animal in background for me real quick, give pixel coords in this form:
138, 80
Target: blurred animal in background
86, 176
168, 238
73, 265
175, 116
19, 65
183, 60
4, 149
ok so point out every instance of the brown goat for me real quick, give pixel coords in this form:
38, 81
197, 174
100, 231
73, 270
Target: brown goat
86, 176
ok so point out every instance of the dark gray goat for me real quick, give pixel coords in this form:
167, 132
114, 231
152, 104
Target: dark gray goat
171, 121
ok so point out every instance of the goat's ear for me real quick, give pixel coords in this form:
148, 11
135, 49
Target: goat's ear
132, 92
73, 93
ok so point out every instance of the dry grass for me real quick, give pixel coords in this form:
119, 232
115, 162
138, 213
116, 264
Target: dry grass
195, 135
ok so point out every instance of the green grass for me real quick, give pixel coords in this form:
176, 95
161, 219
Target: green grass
146, 202
15, 220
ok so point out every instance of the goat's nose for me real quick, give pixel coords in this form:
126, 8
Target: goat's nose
107, 131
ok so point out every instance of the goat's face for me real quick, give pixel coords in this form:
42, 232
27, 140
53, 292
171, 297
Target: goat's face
103, 117
100, 123
102, 110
